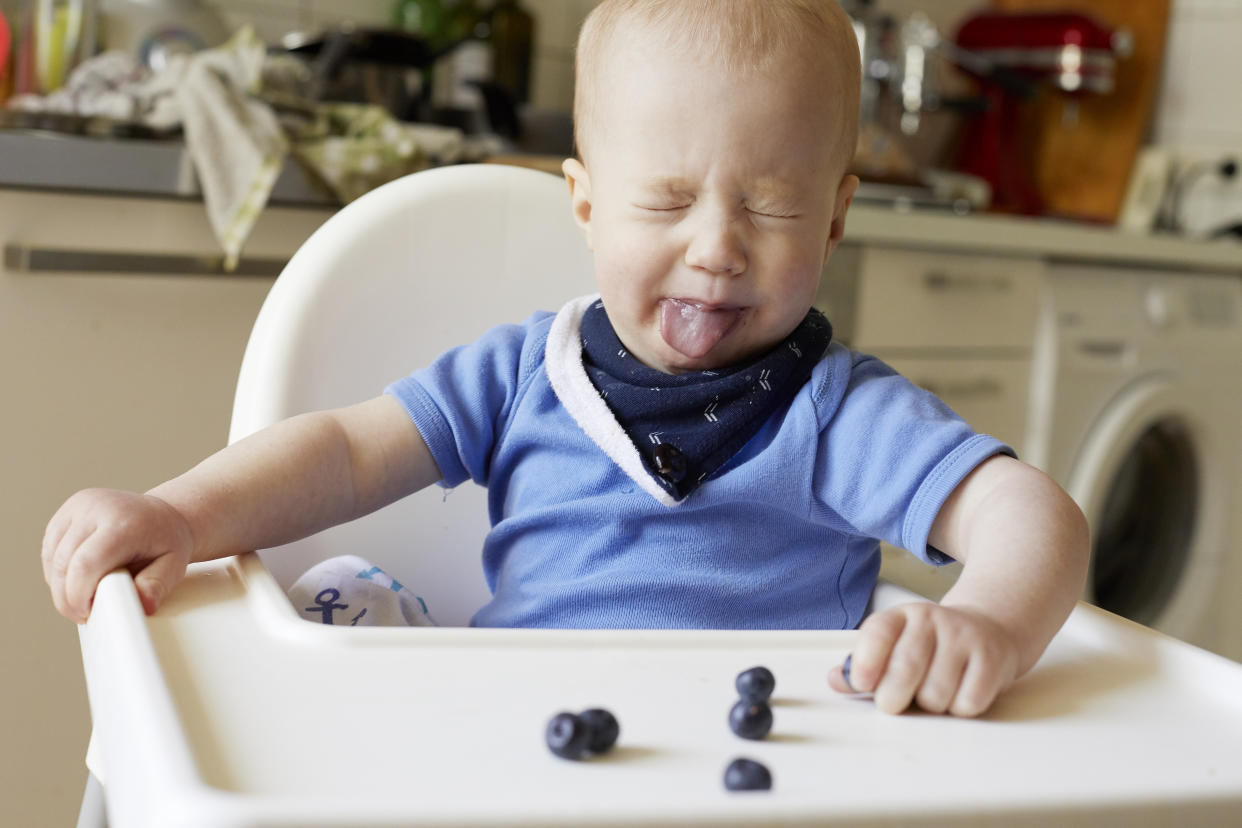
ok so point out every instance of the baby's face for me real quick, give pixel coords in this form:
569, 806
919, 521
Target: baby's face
709, 204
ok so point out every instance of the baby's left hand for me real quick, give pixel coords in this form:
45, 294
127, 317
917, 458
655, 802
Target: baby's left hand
945, 659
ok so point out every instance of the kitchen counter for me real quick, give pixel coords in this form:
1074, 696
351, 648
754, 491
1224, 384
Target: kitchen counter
51, 161
1061, 241
162, 168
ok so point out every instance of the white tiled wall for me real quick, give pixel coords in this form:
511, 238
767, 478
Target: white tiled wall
1199, 107
1199, 113
556, 29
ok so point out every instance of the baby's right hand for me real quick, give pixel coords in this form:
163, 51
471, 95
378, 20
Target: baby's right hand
99, 530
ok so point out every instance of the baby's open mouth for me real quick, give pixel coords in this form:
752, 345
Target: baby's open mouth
692, 328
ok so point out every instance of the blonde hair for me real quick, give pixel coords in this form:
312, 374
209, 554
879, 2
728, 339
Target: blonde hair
742, 35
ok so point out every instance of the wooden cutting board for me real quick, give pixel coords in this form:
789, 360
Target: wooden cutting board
1083, 166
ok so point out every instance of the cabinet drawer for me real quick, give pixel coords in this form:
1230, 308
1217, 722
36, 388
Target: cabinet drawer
990, 394
913, 299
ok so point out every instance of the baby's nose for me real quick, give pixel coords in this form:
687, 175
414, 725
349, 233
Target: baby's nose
716, 247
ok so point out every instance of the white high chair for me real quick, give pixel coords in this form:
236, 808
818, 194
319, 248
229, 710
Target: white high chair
226, 709
389, 283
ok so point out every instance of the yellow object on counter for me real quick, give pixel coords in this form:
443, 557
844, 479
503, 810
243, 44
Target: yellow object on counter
58, 28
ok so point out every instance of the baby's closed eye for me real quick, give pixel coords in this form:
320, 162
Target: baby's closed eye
771, 212
659, 207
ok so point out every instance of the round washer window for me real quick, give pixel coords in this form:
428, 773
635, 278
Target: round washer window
1146, 527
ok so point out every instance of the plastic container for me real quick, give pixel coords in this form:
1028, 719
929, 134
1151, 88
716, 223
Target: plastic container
47, 39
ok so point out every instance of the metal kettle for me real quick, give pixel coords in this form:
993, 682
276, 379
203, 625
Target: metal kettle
155, 31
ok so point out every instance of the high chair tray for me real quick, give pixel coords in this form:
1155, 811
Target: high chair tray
226, 709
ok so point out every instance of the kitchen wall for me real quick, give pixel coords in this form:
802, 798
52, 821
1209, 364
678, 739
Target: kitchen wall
1199, 107
556, 29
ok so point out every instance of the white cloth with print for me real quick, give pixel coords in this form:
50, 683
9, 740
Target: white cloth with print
351, 591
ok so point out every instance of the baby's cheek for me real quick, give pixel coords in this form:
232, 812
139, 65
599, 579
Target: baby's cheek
632, 263
645, 241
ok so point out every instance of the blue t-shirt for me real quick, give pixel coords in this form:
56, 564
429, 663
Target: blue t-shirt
784, 536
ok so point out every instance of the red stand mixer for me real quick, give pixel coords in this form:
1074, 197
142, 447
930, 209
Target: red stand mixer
1016, 57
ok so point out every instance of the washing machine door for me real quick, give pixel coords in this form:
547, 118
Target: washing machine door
1145, 477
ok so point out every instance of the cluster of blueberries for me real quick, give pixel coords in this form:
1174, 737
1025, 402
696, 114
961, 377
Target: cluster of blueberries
574, 735
751, 718
595, 731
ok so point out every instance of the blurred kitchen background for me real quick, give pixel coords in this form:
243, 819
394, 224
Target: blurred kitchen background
1051, 215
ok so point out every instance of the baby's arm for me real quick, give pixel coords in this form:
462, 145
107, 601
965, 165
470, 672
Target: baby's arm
283, 483
1024, 545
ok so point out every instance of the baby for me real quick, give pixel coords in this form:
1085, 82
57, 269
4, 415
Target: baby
689, 448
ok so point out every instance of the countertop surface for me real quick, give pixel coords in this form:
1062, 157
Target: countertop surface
162, 168
1048, 239
227, 709
132, 166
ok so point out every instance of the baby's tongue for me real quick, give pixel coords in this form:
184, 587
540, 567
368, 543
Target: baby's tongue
692, 330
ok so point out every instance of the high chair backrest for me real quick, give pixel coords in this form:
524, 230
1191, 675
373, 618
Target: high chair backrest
394, 279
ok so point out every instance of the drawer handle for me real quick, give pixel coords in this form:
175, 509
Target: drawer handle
981, 388
1103, 348
939, 280
25, 259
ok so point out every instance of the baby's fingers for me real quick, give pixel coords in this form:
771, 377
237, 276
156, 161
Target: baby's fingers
985, 676
157, 580
83, 568
907, 665
975, 661
837, 679
941, 685
877, 636
52, 536
60, 561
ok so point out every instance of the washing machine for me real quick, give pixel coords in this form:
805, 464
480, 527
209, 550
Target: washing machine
1136, 409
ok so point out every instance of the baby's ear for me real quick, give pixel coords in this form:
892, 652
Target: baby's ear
579, 194
841, 206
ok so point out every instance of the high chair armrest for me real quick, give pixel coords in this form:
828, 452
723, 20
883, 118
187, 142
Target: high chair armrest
134, 716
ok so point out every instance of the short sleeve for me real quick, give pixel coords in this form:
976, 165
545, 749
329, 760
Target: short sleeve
890, 453
460, 403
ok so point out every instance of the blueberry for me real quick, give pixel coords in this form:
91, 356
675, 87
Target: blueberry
845, 670
750, 720
602, 729
567, 735
747, 775
755, 684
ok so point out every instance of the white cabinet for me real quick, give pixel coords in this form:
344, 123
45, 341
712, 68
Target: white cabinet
110, 379
961, 326
914, 300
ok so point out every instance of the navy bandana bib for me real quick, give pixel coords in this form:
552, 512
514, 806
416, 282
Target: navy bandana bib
686, 426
